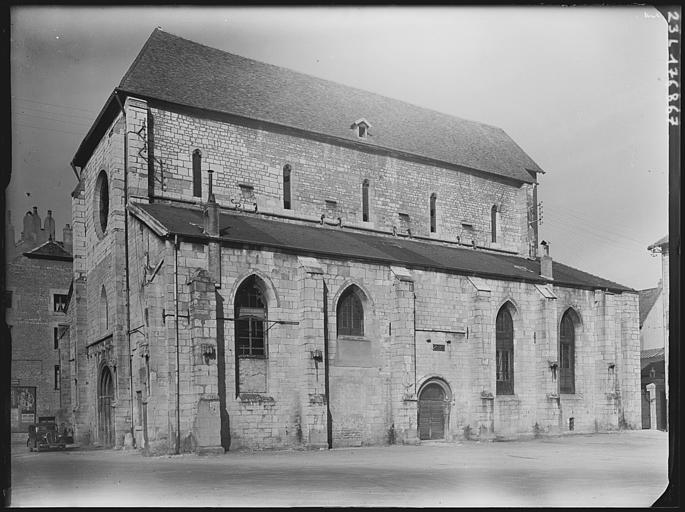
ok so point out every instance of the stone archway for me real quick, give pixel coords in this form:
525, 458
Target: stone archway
433, 410
105, 413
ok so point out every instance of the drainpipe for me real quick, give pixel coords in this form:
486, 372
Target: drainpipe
128, 281
414, 294
178, 371
329, 424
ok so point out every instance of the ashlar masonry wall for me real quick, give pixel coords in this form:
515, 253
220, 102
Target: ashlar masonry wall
374, 379
327, 179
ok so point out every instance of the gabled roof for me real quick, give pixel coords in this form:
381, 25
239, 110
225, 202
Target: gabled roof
647, 300
182, 72
340, 243
50, 250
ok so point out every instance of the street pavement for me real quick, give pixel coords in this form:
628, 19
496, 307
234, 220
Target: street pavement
623, 469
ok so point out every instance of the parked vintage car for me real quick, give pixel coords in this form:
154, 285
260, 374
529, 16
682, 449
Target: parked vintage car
45, 435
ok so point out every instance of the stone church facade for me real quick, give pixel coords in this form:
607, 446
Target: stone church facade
264, 259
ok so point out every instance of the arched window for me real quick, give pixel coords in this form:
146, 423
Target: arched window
350, 313
504, 360
365, 201
250, 317
432, 209
286, 186
567, 349
104, 311
197, 173
493, 222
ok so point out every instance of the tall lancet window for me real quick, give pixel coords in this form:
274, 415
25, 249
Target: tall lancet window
197, 173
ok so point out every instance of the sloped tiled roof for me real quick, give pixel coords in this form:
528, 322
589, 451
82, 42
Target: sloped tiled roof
651, 355
340, 243
50, 250
647, 300
183, 72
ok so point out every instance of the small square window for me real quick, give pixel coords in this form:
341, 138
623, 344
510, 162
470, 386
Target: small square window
59, 302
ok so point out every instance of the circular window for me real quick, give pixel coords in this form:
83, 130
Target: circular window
101, 206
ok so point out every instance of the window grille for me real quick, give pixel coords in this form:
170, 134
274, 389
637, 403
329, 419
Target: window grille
251, 310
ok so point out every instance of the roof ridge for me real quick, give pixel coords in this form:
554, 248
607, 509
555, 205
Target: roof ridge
328, 81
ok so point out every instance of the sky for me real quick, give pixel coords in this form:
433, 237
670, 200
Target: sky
583, 90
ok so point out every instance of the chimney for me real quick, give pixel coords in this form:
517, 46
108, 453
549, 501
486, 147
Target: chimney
49, 226
28, 235
67, 238
212, 219
546, 261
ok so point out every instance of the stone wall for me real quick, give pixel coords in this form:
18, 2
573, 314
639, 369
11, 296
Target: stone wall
321, 172
33, 283
374, 378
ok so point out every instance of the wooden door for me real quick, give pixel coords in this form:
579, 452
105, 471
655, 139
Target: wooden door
432, 412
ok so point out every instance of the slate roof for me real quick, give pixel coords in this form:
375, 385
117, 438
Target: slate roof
50, 250
647, 300
183, 72
341, 243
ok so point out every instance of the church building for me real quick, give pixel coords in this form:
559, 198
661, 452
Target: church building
265, 259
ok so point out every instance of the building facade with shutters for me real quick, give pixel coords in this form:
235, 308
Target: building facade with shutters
38, 276
266, 259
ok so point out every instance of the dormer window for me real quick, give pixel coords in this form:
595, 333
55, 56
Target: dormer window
362, 128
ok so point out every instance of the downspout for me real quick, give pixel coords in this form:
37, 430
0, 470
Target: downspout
128, 282
178, 372
414, 295
329, 418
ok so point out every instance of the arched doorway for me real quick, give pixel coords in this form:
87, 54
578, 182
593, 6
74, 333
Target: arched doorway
105, 397
433, 407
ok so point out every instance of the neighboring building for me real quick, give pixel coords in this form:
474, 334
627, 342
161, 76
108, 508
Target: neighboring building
652, 356
38, 276
267, 259
661, 247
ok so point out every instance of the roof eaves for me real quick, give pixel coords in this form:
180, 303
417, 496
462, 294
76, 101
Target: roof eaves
339, 140
90, 141
150, 221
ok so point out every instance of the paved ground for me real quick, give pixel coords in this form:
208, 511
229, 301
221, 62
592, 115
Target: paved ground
626, 469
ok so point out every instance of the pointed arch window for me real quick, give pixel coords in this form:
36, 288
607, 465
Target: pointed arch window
433, 212
567, 356
286, 186
365, 201
493, 223
250, 317
104, 310
504, 352
197, 173
350, 313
